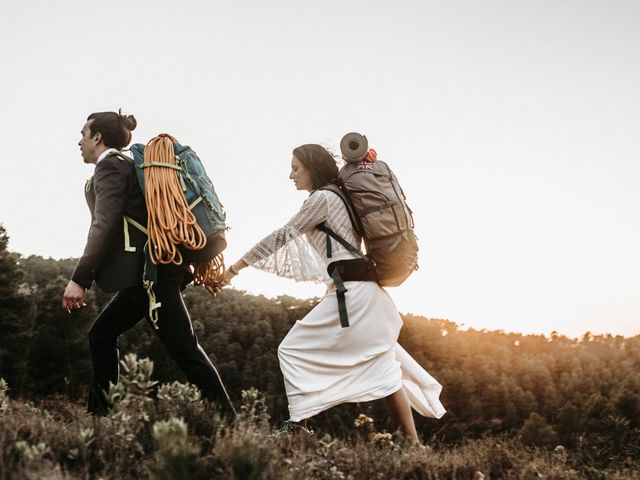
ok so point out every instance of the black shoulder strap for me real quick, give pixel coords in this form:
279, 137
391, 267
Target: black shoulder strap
339, 189
323, 228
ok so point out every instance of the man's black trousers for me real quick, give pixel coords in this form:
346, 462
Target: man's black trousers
175, 331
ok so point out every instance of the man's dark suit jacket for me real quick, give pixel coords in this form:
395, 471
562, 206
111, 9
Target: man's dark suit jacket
112, 193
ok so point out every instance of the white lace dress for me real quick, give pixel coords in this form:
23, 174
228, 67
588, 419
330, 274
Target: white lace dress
323, 364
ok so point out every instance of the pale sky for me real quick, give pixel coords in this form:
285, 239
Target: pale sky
512, 126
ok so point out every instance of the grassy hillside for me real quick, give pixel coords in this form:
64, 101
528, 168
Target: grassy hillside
518, 405
167, 432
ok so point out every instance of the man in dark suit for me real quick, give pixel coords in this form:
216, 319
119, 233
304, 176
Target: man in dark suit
114, 258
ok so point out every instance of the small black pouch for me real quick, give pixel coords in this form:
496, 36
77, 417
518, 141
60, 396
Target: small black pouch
355, 270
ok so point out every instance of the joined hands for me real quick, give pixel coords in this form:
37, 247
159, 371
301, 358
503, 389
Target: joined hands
215, 287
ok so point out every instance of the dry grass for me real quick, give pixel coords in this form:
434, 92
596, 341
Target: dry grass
175, 435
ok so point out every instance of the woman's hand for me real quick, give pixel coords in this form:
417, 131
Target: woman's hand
228, 275
232, 271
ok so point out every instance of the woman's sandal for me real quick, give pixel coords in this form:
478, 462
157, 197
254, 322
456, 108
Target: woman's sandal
290, 428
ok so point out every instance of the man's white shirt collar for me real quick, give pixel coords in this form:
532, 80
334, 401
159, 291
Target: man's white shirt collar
108, 151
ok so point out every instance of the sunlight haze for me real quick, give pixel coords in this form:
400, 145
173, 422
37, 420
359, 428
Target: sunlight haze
513, 127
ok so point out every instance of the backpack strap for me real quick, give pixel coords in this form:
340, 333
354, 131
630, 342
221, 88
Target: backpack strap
122, 156
337, 187
340, 291
339, 269
149, 279
331, 234
149, 272
127, 220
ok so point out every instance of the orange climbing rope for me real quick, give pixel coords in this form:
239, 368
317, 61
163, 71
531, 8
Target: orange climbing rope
171, 223
209, 273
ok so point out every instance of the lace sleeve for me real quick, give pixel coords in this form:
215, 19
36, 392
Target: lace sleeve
286, 252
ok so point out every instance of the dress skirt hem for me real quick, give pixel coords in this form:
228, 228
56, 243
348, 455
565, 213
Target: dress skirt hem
324, 365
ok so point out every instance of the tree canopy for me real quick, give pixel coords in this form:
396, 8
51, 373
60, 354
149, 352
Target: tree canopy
547, 390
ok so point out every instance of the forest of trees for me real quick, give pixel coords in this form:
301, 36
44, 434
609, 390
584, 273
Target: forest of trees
580, 393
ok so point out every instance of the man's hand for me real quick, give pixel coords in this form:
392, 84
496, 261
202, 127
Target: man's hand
213, 288
73, 297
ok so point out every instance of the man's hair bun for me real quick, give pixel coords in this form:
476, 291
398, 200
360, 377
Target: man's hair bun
129, 121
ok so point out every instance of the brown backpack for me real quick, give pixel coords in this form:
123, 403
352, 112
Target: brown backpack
378, 211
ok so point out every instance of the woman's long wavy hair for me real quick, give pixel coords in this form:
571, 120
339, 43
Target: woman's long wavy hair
319, 162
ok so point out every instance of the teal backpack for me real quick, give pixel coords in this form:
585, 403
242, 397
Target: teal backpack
197, 191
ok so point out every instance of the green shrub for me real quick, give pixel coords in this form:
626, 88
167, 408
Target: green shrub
177, 456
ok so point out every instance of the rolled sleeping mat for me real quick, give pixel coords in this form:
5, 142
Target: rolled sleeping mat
354, 147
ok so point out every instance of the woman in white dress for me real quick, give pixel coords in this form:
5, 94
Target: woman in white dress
323, 364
